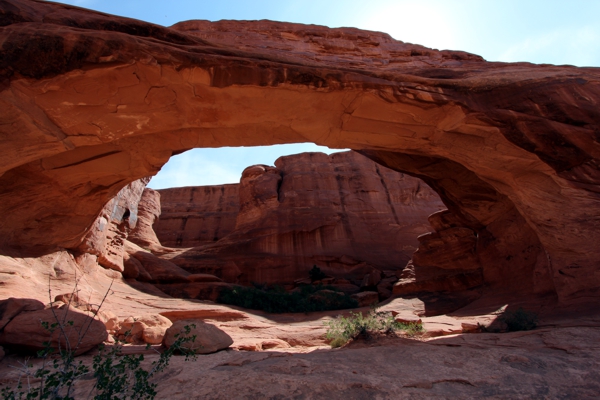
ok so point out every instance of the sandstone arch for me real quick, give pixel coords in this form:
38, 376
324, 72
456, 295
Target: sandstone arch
91, 102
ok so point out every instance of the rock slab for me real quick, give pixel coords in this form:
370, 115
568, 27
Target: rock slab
208, 338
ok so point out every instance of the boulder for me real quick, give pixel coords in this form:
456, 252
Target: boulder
209, 338
366, 299
144, 329
109, 319
12, 307
80, 332
73, 300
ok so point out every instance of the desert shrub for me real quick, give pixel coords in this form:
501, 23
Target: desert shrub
520, 320
275, 299
315, 274
341, 329
117, 377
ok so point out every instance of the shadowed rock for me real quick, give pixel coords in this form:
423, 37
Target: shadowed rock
92, 102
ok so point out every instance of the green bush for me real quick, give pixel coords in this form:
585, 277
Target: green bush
117, 377
520, 320
341, 329
276, 300
315, 274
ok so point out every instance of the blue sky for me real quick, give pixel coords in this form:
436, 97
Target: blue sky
549, 31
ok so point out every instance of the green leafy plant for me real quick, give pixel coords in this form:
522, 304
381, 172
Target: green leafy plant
275, 299
315, 274
117, 376
520, 320
342, 329
55, 377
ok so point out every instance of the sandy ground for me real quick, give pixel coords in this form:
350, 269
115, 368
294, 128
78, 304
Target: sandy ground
291, 359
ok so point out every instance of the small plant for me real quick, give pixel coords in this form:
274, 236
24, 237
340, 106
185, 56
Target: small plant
117, 377
276, 300
56, 376
315, 274
341, 329
520, 320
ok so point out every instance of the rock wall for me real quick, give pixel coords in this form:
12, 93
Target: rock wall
195, 216
106, 239
343, 213
91, 102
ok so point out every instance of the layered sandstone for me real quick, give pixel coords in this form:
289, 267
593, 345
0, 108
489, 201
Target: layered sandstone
343, 213
195, 216
91, 102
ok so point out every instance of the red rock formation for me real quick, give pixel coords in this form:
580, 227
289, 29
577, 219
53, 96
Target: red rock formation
208, 338
91, 102
148, 212
82, 332
106, 239
195, 216
343, 213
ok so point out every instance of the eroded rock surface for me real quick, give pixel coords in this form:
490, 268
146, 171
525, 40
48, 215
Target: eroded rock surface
148, 213
196, 216
343, 213
92, 102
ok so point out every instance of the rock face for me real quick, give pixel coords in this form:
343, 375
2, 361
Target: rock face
196, 216
148, 212
107, 236
91, 102
343, 213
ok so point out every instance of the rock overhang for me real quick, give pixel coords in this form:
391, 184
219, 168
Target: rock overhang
93, 102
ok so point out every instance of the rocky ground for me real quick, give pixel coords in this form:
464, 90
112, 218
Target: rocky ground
286, 355
93, 104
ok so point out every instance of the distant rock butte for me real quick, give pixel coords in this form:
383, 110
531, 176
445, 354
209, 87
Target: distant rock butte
343, 213
91, 102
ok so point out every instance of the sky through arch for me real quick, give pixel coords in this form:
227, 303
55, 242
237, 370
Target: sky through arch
538, 31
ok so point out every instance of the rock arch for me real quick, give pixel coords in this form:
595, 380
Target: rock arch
91, 102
